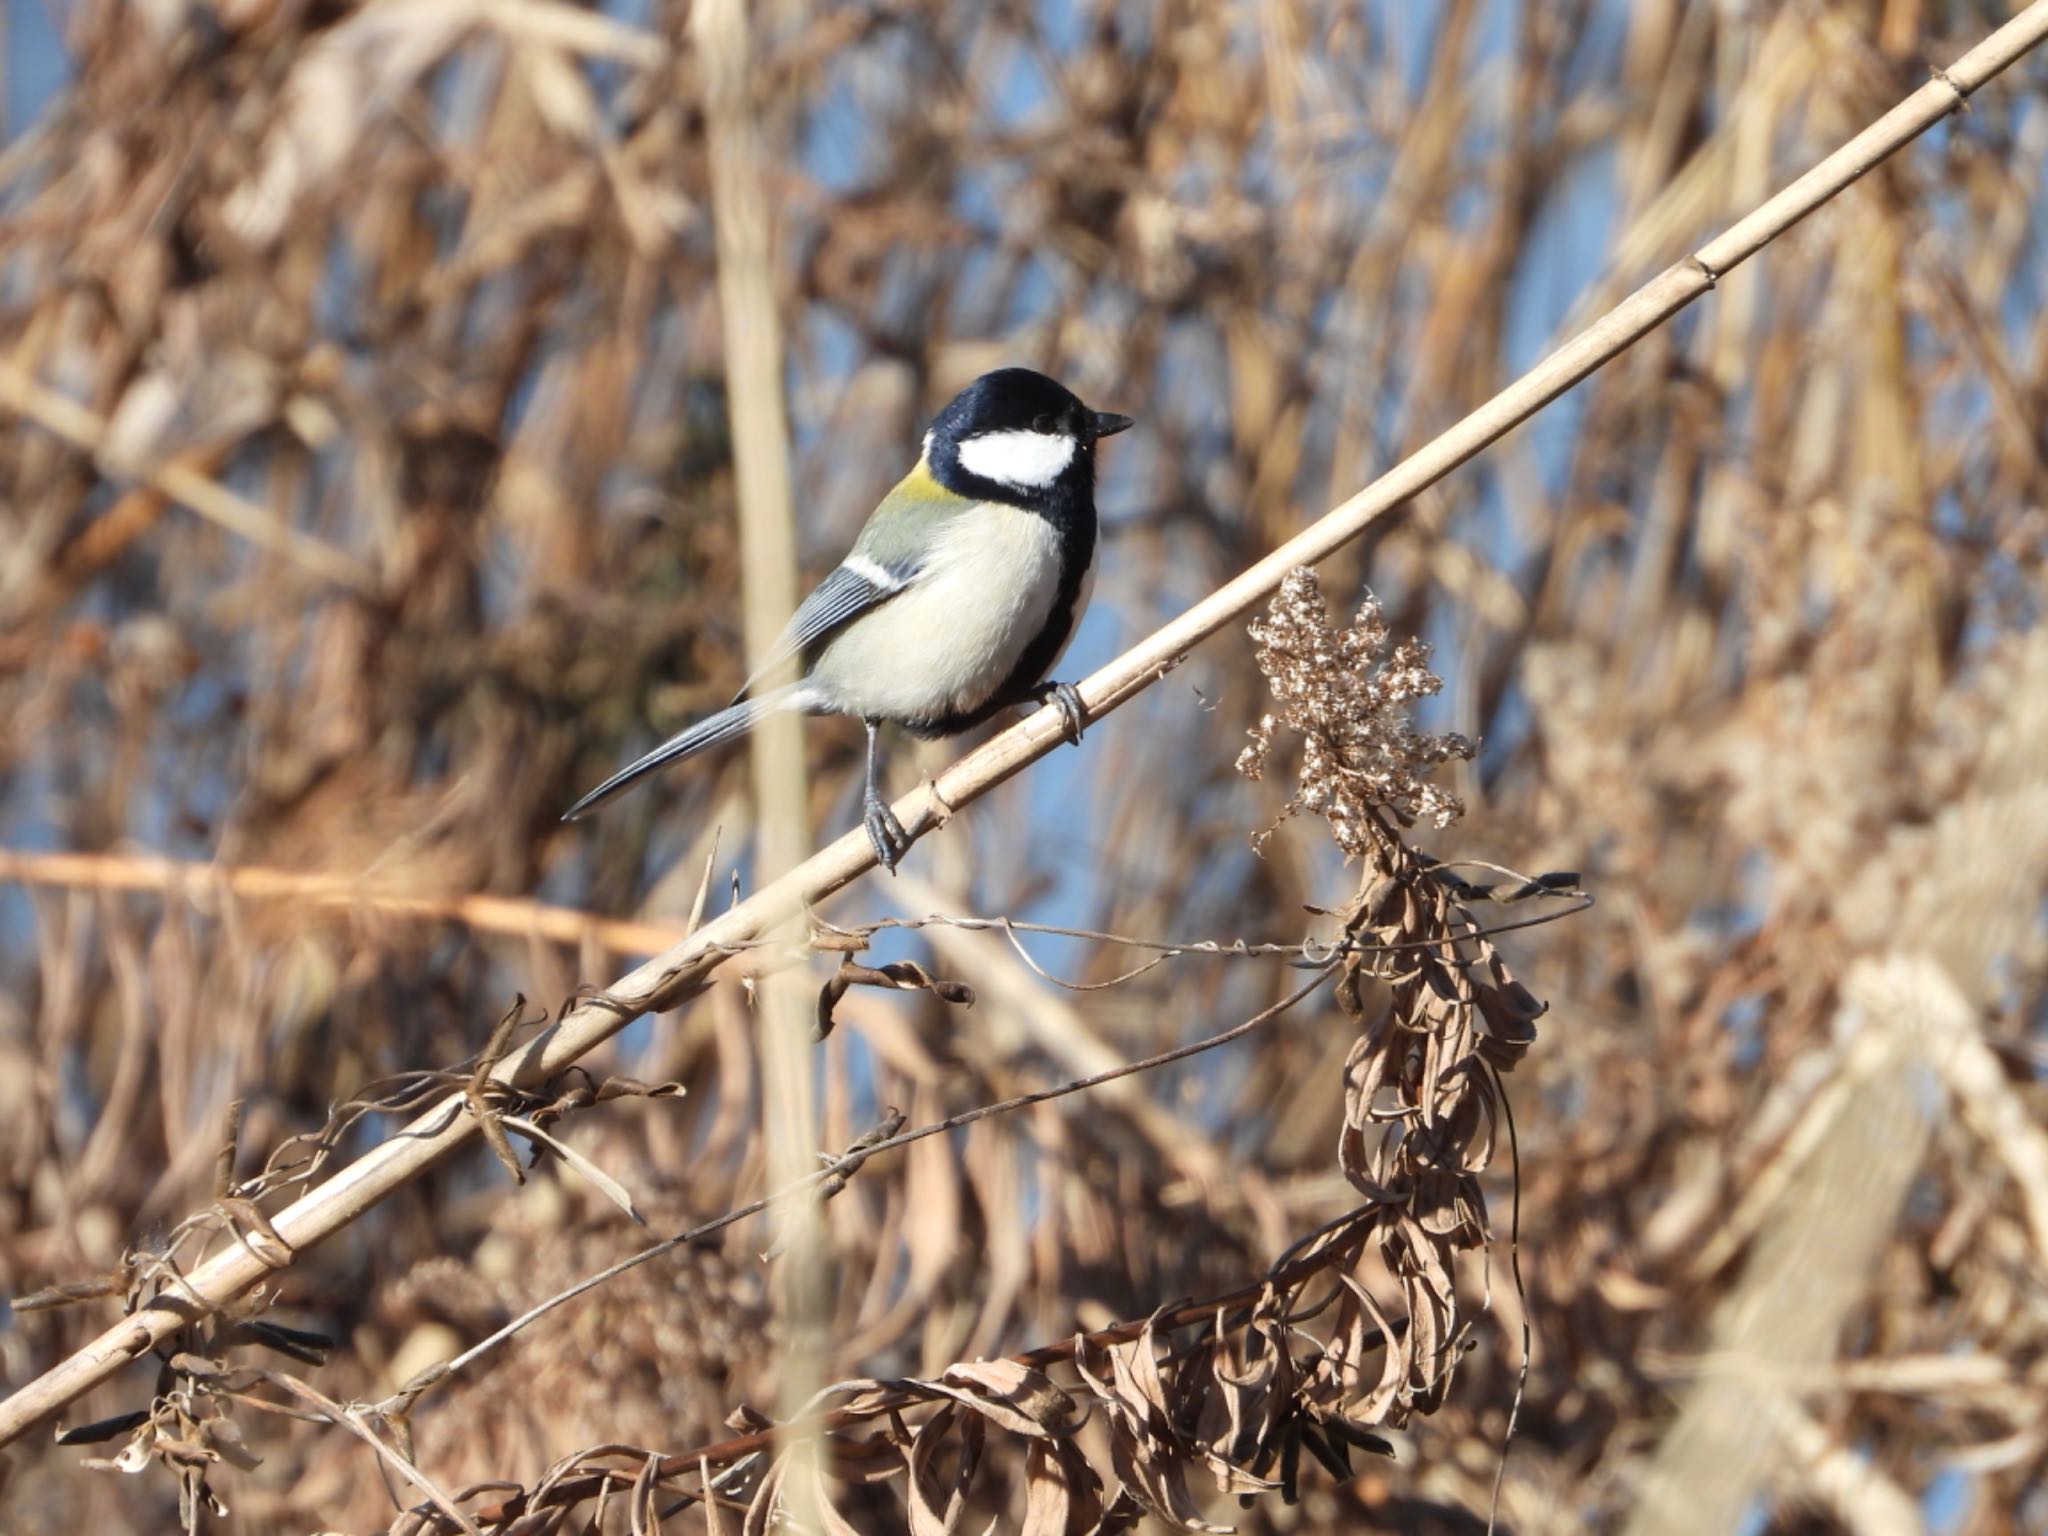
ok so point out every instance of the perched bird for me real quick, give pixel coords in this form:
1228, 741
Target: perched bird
959, 596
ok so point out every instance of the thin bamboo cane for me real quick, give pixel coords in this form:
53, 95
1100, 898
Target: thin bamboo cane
682, 972
768, 557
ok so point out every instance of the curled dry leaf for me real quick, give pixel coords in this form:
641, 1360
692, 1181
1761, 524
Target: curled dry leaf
102, 1430
603, 1182
938, 1496
300, 1344
1020, 1399
1149, 1454
1254, 1385
898, 975
772, 1506
1063, 1494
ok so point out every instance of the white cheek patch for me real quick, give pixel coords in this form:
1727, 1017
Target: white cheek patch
1030, 461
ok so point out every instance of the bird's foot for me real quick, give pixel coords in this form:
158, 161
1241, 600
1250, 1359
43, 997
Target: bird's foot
884, 831
1073, 718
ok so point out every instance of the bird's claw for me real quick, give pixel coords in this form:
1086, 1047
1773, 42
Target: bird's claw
1067, 699
891, 842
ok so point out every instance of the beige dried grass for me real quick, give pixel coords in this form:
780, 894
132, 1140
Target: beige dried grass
1718, 650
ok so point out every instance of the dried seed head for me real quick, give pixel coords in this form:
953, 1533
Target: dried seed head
1348, 691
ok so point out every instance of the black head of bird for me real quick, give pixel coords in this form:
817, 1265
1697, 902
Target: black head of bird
1017, 436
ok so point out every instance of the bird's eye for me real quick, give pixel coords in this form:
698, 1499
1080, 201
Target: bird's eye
1046, 423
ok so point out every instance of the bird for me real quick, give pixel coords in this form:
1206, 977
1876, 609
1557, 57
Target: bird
957, 599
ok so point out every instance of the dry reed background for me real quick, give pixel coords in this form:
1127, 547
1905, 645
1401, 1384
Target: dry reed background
400, 508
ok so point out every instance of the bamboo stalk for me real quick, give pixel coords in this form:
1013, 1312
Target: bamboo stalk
768, 561
683, 971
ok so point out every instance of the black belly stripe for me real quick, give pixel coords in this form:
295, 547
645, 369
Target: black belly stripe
1074, 515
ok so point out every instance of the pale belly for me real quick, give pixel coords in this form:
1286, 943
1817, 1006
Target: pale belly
944, 646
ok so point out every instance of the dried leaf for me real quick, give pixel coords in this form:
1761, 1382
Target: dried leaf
99, 1431
606, 1185
937, 1502
900, 976
300, 1344
1020, 1399
1063, 1493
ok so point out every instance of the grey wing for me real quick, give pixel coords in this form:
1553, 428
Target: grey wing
850, 591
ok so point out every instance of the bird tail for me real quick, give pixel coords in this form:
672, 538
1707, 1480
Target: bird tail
723, 726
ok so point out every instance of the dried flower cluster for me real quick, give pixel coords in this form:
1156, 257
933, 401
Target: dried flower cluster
1348, 693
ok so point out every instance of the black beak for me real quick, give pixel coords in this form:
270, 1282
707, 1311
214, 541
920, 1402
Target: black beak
1108, 423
